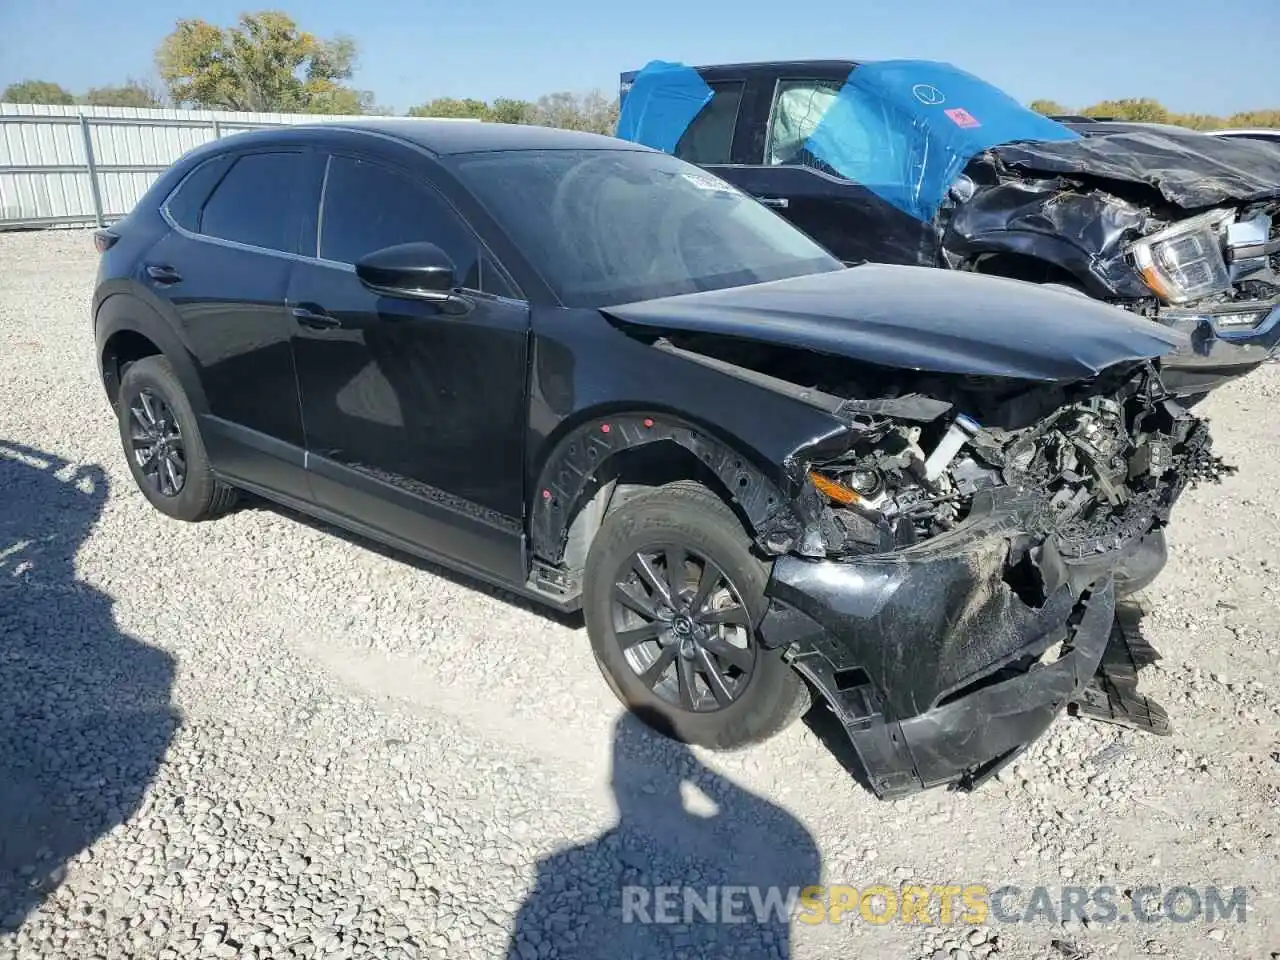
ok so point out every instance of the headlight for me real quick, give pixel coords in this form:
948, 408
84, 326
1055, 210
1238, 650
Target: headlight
1184, 262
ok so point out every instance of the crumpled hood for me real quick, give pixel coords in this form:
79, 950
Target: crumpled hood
1192, 170
919, 318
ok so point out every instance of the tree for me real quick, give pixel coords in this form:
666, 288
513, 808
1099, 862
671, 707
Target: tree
263, 63
1049, 108
506, 110
451, 107
1136, 110
1255, 118
37, 91
593, 112
131, 93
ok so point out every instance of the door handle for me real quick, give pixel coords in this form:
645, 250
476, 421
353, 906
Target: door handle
163, 273
780, 202
317, 321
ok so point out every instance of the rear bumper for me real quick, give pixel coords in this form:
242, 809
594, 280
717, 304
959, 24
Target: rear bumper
1220, 350
935, 660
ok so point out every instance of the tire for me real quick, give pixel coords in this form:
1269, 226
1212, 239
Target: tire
767, 695
199, 495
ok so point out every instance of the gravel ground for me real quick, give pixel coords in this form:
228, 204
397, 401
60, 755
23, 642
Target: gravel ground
257, 738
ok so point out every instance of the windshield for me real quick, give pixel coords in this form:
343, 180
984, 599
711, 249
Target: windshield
605, 227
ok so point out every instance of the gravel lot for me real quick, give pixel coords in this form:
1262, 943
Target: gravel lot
257, 738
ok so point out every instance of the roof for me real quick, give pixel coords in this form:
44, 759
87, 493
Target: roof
452, 136
798, 66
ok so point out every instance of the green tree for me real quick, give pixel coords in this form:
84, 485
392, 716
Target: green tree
36, 91
1137, 110
1254, 118
451, 107
131, 93
263, 63
506, 110
1049, 107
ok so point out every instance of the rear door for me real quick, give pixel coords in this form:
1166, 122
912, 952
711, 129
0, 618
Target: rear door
414, 417
225, 266
844, 214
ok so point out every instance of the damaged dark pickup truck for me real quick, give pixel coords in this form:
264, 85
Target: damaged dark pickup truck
917, 162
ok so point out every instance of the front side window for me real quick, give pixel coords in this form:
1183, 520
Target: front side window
252, 204
709, 138
611, 226
368, 206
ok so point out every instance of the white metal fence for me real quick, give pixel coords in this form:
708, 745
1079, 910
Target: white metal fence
66, 165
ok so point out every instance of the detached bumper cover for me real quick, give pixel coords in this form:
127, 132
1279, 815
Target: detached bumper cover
933, 658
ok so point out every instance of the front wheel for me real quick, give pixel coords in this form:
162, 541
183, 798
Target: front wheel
671, 596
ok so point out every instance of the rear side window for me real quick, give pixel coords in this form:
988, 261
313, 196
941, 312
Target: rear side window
798, 108
368, 206
709, 138
252, 202
186, 202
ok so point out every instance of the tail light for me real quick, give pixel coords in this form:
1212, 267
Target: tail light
104, 240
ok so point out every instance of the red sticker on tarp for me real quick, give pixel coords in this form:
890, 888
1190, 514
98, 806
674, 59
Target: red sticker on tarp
962, 117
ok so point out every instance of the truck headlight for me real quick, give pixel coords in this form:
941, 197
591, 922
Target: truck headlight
1184, 262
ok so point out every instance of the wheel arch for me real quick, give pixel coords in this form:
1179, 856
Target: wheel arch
605, 458
128, 329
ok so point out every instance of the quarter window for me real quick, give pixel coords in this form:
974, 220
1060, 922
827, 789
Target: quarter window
709, 138
368, 206
187, 201
252, 202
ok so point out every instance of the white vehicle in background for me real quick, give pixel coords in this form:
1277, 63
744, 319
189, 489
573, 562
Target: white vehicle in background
1266, 134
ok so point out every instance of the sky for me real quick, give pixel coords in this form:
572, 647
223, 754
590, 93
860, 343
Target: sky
1193, 56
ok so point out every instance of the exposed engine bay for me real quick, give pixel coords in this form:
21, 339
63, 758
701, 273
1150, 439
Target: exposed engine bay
1104, 466
1105, 457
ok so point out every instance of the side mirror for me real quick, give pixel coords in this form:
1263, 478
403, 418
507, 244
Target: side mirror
419, 270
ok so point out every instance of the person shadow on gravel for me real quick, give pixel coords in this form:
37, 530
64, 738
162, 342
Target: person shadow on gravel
85, 714
606, 899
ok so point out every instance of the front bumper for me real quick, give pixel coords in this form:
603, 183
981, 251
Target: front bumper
1220, 350
933, 658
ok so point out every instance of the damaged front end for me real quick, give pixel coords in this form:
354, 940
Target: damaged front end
964, 549
1181, 229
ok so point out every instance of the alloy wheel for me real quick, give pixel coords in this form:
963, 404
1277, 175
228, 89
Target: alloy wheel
158, 448
683, 628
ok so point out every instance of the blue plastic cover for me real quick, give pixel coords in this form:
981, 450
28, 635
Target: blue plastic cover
662, 102
905, 129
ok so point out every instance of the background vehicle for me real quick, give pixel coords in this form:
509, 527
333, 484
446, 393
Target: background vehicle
1266, 135
918, 162
598, 376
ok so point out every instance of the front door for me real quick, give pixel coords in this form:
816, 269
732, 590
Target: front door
414, 417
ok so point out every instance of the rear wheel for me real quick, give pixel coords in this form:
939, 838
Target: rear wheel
671, 596
162, 444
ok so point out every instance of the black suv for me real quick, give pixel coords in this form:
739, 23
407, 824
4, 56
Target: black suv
600, 377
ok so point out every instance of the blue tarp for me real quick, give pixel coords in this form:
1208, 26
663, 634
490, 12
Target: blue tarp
906, 128
662, 102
